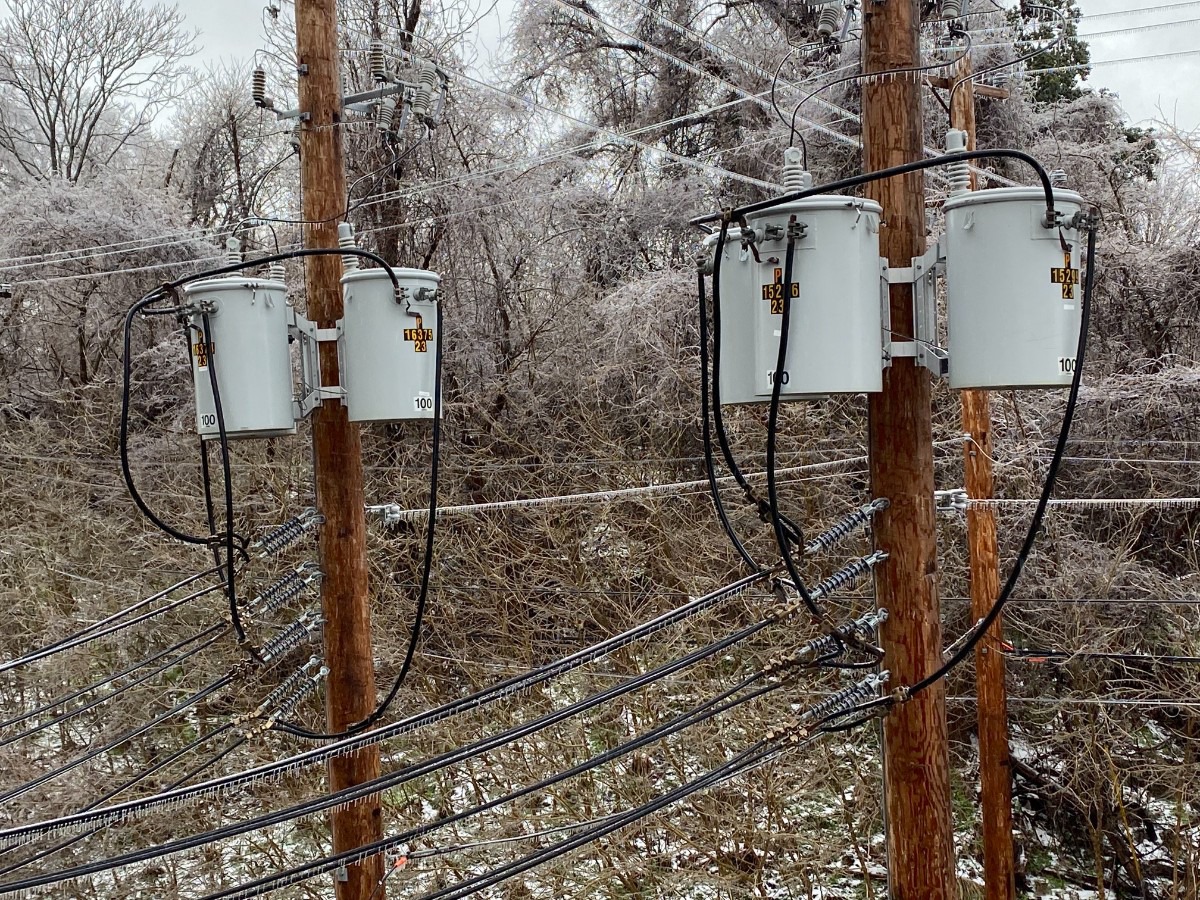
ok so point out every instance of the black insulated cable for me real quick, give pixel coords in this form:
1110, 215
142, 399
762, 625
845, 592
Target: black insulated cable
710, 467
781, 538
426, 567
794, 532
235, 616
709, 709
505, 688
129, 610
123, 435
406, 774
87, 637
919, 166
116, 742
213, 635
1035, 524
63, 699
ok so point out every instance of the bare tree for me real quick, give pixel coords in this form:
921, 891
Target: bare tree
81, 79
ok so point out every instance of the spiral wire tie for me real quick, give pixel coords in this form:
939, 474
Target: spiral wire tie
830, 538
292, 636
287, 534
285, 589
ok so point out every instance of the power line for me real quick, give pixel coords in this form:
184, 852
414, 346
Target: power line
1140, 10
1082, 503
500, 690
208, 637
1035, 655
91, 634
390, 780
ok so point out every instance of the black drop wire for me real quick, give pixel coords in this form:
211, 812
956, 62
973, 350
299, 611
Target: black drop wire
781, 537
235, 616
793, 530
1035, 524
89, 635
163, 293
120, 739
711, 708
123, 439
161, 764
407, 774
710, 467
208, 637
426, 567
504, 688
918, 166
63, 699
120, 614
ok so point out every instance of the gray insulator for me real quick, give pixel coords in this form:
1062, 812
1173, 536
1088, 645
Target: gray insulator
953, 9
287, 533
846, 699
345, 241
378, 62
844, 528
794, 176
258, 87
829, 20
847, 575
1058, 178
387, 114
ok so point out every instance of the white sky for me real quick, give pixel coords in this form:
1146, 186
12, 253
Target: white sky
232, 29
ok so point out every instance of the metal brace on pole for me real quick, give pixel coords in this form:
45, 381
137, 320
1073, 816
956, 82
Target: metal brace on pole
922, 275
310, 337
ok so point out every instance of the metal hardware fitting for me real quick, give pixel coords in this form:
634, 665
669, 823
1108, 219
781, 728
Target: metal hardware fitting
313, 392
951, 501
922, 275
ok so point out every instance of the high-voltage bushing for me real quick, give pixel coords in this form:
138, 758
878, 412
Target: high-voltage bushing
1013, 288
245, 344
389, 358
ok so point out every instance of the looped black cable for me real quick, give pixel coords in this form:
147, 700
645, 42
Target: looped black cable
710, 467
426, 567
718, 417
781, 537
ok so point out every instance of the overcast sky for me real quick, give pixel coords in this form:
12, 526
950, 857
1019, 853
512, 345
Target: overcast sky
231, 30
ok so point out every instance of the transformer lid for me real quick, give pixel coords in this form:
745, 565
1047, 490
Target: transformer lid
1011, 194
401, 274
225, 284
820, 202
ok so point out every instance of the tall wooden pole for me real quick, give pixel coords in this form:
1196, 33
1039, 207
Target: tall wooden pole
916, 753
995, 773
337, 450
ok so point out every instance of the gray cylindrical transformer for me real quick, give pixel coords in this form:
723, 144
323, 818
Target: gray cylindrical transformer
389, 347
248, 347
835, 336
1013, 291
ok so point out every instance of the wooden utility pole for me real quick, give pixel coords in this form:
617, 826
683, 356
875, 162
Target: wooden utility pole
337, 449
920, 839
995, 773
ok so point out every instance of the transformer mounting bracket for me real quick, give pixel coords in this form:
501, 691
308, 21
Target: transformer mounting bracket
922, 346
310, 337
